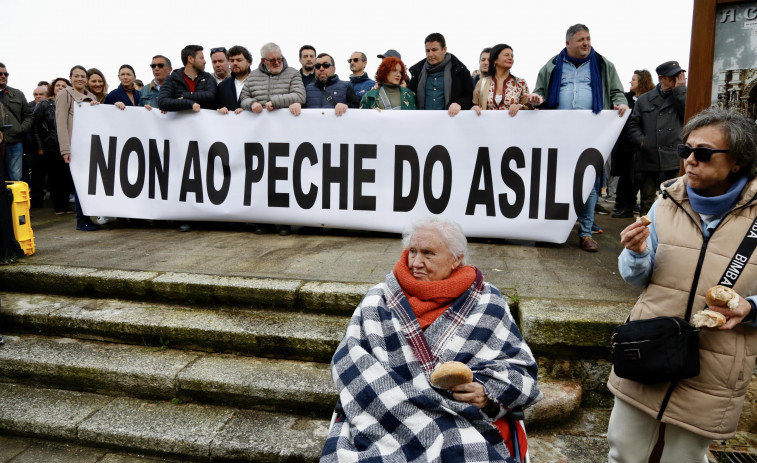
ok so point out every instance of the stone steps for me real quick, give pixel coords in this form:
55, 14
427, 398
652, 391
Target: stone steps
263, 333
188, 431
288, 386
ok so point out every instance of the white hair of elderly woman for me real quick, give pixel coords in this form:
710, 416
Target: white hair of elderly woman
450, 231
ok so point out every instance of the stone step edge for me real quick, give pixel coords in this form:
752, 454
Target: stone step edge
293, 294
281, 386
190, 431
263, 333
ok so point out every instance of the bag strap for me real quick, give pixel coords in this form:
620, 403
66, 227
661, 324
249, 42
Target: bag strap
329, 98
739, 260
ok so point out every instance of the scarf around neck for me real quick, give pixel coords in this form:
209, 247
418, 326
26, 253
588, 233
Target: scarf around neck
597, 100
716, 205
429, 299
427, 69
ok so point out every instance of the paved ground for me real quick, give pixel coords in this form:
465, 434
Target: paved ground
549, 271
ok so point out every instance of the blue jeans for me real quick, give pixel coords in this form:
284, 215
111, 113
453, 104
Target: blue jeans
586, 215
14, 154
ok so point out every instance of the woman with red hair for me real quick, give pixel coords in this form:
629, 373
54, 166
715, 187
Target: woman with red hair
389, 93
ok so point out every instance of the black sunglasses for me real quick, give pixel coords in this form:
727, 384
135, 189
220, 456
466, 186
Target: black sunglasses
216, 50
354, 60
322, 65
701, 153
4, 74
157, 65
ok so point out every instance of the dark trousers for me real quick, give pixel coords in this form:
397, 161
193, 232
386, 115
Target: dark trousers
50, 169
625, 194
649, 183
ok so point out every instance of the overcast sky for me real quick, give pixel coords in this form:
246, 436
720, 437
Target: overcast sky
43, 39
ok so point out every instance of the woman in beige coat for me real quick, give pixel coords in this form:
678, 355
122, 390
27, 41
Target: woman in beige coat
64, 118
698, 224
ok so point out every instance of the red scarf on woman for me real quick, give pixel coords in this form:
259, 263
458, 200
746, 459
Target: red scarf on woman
429, 299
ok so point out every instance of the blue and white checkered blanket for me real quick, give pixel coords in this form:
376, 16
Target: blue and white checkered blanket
391, 411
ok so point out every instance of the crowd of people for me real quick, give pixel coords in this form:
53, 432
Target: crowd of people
576, 78
434, 307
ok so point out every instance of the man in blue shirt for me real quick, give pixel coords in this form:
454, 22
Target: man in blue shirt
161, 68
580, 78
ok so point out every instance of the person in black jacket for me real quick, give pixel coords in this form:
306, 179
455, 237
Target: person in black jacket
654, 130
229, 90
48, 161
189, 87
441, 81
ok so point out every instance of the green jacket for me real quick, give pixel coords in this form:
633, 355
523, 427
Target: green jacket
14, 110
370, 99
612, 88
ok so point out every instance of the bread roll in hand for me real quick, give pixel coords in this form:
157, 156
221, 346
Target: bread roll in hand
708, 318
450, 374
722, 296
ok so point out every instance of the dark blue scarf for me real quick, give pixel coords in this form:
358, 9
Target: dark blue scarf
716, 205
597, 100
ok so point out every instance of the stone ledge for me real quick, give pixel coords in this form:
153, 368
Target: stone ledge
262, 333
192, 432
567, 328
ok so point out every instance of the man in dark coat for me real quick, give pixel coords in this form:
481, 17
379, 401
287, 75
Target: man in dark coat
441, 81
327, 91
654, 130
189, 87
229, 90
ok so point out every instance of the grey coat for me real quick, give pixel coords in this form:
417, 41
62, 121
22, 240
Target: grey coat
654, 129
281, 89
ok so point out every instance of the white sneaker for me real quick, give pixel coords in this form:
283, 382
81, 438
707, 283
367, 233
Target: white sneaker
104, 220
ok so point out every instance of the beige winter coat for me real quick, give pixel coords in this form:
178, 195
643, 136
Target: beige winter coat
64, 114
709, 404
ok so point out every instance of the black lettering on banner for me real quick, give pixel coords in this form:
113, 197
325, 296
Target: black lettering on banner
132, 190
304, 200
554, 210
477, 195
360, 176
437, 154
277, 150
192, 184
158, 169
533, 204
589, 157
406, 154
338, 175
252, 152
107, 168
218, 150
513, 181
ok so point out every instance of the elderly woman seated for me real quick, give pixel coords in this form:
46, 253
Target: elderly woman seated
433, 308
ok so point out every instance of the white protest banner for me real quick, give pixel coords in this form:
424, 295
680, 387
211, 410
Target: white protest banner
498, 176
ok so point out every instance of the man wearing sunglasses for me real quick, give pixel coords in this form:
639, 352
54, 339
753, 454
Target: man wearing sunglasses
14, 111
359, 80
161, 68
327, 91
654, 130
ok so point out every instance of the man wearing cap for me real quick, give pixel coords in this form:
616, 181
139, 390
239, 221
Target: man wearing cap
359, 80
390, 52
654, 131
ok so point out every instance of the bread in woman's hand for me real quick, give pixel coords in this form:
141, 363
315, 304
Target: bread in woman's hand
450, 374
708, 318
645, 220
722, 296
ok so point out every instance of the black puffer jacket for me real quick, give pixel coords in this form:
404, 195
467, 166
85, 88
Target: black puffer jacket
44, 131
655, 128
462, 85
175, 95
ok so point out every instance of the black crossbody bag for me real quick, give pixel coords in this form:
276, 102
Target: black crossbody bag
663, 349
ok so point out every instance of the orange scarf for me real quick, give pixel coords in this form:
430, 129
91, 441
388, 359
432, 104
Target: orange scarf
429, 299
